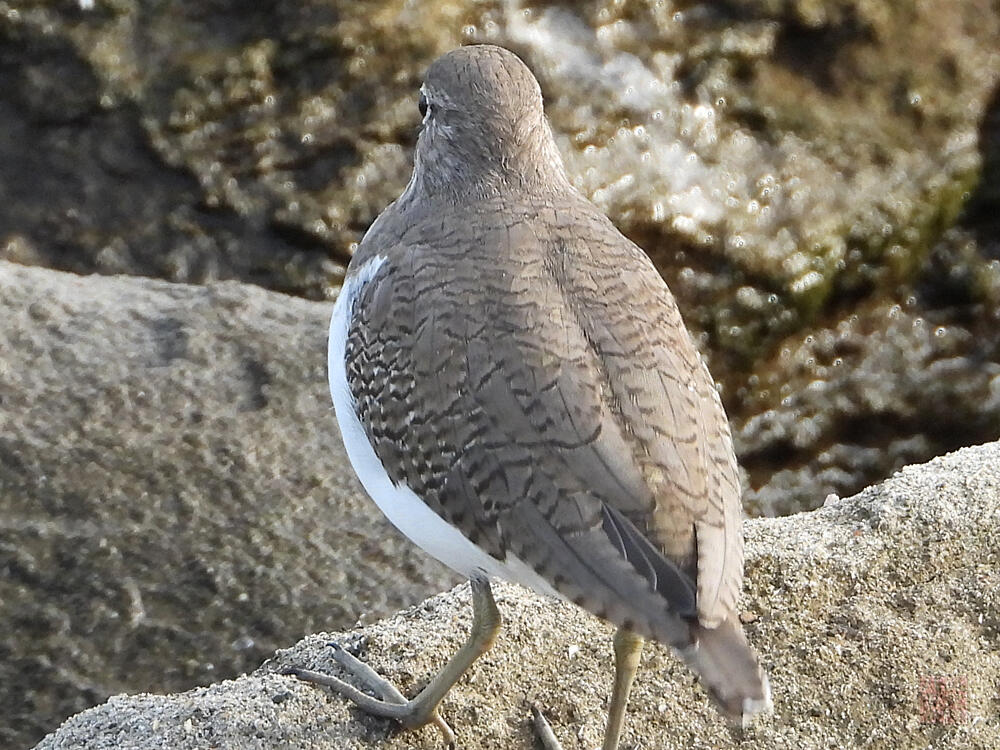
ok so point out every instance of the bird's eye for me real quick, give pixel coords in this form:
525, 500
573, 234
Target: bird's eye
422, 105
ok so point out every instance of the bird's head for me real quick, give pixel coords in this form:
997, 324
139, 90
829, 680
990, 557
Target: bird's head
484, 129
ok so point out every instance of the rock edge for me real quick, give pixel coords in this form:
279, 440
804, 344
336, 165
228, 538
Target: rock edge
878, 617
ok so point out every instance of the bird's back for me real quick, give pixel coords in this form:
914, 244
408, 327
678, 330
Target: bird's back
555, 405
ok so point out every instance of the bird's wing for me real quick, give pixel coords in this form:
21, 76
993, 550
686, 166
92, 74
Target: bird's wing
553, 413
662, 391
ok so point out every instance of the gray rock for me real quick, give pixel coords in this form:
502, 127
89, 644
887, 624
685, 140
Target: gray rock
877, 617
794, 168
174, 498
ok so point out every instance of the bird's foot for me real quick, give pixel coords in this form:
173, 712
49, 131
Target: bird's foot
392, 705
423, 709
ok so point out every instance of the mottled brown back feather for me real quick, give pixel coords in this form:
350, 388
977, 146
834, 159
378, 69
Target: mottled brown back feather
519, 369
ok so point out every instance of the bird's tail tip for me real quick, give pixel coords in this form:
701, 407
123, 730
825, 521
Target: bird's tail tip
730, 671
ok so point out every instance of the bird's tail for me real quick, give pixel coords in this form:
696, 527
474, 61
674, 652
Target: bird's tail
729, 670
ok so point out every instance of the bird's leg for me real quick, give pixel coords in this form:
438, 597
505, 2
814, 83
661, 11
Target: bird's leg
628, 649
424, 708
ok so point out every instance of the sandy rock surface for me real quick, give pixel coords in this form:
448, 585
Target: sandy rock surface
876, 615
175, 502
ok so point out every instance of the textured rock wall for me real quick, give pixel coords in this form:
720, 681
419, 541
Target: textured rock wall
817, 180
175, 502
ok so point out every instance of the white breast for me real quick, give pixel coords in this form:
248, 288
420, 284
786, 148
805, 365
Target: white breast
399, 503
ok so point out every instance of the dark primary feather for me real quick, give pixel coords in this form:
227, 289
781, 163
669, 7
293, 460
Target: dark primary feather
663, 575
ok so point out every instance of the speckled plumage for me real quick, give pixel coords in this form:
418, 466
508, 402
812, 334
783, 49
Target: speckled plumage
522, 367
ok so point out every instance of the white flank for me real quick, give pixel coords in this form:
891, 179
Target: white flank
399, 503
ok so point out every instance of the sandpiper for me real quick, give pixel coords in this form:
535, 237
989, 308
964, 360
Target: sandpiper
517, 392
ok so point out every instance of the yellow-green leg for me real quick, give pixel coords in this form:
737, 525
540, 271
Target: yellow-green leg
628, 649
423, 709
